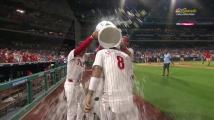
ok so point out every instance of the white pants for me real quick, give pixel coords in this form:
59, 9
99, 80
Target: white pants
106, 112
75, 95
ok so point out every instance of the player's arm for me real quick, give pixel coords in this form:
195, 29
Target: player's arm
125, 49
96, 76
82, 47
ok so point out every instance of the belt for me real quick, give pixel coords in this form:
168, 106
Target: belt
73, 81
70, 80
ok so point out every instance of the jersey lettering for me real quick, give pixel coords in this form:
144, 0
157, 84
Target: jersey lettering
120, 62
79, 63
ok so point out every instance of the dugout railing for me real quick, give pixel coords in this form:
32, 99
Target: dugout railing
19, 96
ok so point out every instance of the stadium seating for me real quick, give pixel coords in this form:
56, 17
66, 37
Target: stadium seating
20, 56
151, 54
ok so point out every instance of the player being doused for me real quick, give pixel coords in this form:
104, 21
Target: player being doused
113, 67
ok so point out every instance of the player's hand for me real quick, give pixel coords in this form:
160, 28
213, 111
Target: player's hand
95, 35
122, 45
88, 103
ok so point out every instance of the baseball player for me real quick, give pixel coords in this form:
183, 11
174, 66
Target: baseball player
117, 98
207, 56
125, 47
73, 88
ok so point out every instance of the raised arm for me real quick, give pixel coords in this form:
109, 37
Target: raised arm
82, 47
124, 46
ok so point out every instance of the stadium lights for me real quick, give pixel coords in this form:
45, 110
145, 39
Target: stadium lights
20, 11
122, 4
172, 5
171, 11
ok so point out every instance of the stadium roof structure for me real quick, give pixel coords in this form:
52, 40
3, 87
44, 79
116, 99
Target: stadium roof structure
135, 13
138, 16
47, 16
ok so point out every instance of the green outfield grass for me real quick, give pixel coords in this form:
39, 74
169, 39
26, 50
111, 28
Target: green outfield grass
187, 94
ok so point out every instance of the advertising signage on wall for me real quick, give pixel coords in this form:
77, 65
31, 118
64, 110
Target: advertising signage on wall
185, 11
186, 23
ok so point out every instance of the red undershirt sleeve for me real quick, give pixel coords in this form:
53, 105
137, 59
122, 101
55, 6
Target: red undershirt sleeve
83, 45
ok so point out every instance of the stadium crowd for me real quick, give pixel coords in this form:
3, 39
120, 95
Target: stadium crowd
156, 54
174, 33
141, 55
20, 56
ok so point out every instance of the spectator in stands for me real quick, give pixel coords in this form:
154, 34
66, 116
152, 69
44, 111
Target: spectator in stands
18, 56
181, 58
158, 58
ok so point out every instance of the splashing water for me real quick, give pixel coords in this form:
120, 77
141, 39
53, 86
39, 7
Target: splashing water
58, 109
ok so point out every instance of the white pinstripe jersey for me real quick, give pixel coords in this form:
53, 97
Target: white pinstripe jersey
75, 67
116, 70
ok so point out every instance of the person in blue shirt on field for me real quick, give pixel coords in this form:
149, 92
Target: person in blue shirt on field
167, 59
